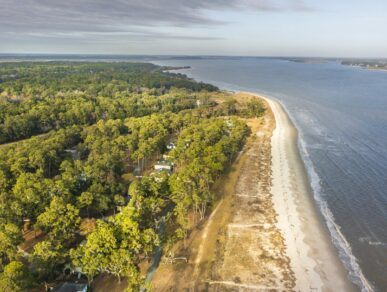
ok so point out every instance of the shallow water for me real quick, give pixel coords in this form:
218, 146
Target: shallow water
341, 114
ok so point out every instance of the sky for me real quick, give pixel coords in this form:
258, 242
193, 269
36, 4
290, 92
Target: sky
328, 28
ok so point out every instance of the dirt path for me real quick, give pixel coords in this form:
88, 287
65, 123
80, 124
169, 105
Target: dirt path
204, 237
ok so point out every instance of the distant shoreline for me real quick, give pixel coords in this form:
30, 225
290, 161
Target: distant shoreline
366, 68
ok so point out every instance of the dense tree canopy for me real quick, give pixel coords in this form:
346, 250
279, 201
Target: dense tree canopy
36, 98
81, 167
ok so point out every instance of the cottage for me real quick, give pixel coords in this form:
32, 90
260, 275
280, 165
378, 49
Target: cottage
164, 165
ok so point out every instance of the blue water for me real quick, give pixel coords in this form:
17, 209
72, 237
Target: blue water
341, 115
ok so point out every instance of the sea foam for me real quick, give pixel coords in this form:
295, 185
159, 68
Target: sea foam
342, 245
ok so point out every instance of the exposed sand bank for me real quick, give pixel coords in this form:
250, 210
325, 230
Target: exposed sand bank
313, 258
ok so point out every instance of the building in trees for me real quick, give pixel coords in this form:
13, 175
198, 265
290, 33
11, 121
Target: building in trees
164, 165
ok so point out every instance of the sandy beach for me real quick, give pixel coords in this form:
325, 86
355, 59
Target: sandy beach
313, 258
265, 233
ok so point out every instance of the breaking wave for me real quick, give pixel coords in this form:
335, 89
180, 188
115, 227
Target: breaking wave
342, 245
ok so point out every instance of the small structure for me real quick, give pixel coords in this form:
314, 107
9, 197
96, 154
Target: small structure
72, 287
73, 152
164, 165
171, 146
137, 172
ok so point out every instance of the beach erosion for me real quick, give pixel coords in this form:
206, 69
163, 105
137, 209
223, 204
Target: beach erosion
312, 255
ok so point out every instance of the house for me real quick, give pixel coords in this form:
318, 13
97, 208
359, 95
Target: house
164, 165
72, 287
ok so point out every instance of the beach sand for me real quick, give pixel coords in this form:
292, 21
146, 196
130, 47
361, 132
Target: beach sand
265, 232
313, 258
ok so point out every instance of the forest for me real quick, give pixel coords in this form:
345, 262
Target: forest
79, 145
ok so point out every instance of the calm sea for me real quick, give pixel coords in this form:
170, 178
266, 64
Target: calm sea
341, 115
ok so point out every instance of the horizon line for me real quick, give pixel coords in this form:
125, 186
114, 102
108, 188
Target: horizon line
184, 55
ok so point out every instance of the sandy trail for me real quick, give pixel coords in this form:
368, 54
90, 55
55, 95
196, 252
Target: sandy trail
199, 255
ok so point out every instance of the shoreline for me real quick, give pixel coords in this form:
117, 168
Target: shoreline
313, 257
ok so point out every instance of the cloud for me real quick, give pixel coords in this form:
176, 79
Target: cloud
134, 19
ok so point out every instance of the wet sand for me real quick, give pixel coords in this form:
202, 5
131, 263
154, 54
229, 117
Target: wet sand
313, 258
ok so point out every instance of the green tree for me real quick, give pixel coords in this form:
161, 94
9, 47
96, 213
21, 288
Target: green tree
15, 277
121, 263
47, 255
60, 220
95, 254
10, 238
135, 280
30, 193
85, 200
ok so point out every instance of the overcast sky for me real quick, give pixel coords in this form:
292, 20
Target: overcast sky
331, 28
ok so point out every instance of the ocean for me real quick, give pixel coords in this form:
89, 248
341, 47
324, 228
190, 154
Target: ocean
341, 115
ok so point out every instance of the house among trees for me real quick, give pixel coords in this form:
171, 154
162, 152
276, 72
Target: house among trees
164, 165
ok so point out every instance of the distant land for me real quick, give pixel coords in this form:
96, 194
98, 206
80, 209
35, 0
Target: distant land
309, 60
371, 64
365, 63
376, 64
